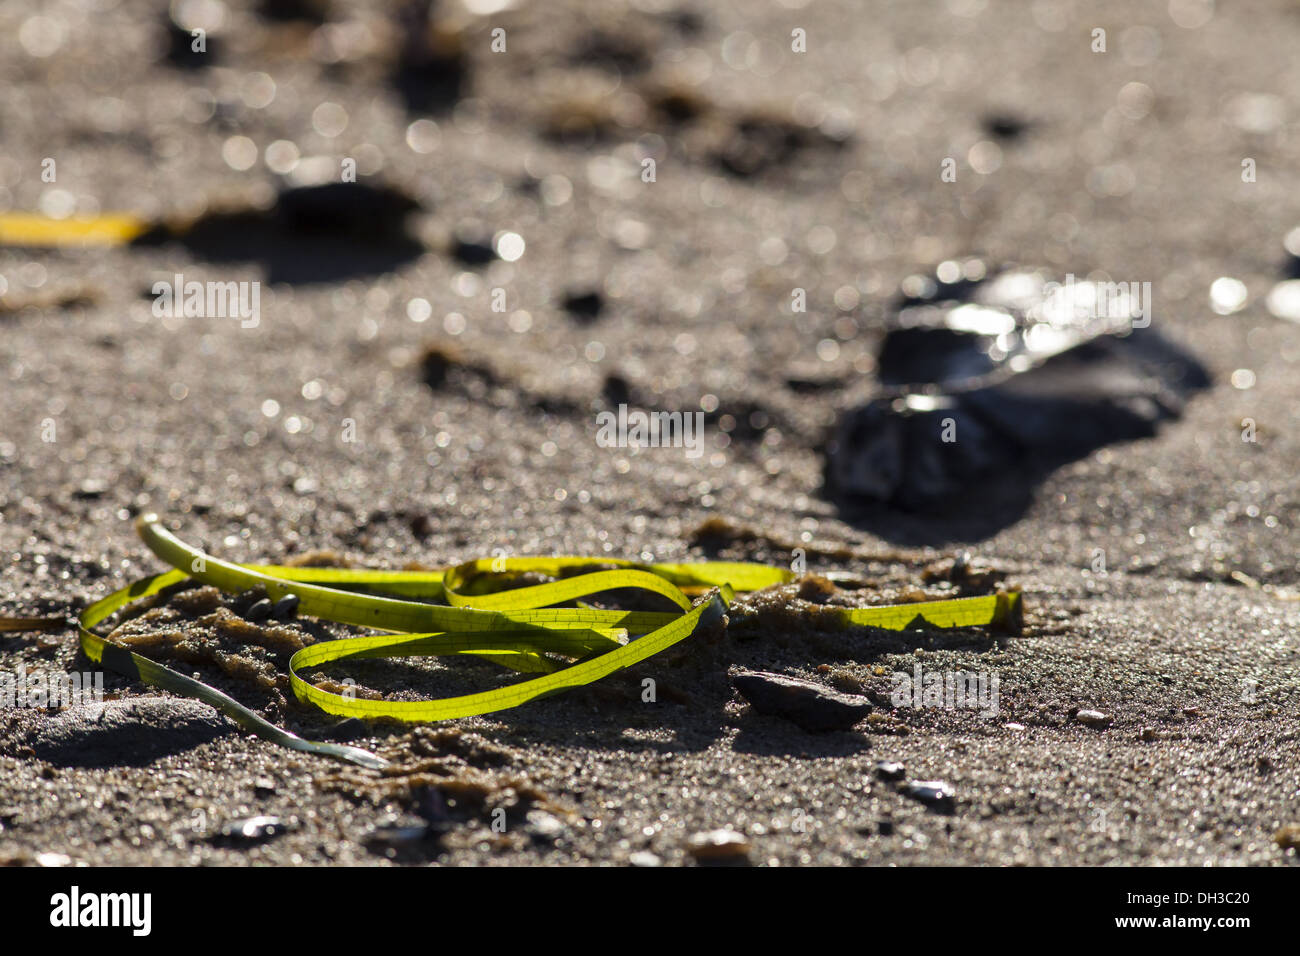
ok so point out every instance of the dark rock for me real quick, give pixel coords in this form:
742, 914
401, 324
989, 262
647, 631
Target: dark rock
1093, 718
353, 210
285, 608
616, 390
757, 143
443, 367
812, 706
980, 375
318, 233
473, 252
585, 306
113, 733
259, 611
433, 68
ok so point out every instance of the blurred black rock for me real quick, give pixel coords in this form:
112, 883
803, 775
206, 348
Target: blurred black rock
1009, 375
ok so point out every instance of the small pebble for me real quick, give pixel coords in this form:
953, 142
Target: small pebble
92, 488
1014, 726
544, 827
718, 846
259, 611
1004, 125
644, 858
1149, 734
935, 794
813, 707
585, 305
252, 830
890, 770
53, 859
264, 786
1093, 718
284, 608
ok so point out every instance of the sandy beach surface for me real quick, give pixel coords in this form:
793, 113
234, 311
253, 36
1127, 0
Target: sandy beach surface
381, 411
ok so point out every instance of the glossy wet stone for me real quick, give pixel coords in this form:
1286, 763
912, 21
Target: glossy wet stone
260, 611
988, 375
285, 608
